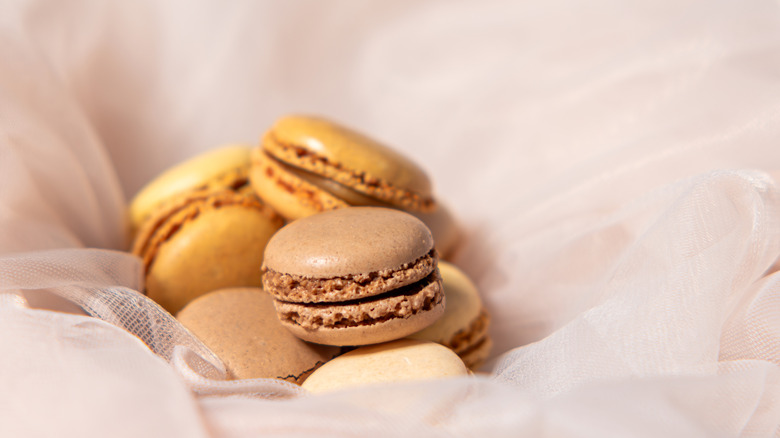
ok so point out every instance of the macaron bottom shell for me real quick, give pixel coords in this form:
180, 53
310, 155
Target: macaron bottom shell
373, 320
370, 333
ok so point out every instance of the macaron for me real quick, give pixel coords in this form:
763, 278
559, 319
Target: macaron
464, 325
354, 276
225, 166
306, 165
202, 241
446, 230
240, 326
391, 362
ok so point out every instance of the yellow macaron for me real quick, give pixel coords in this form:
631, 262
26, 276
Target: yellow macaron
202, 241
199, 226
306, 165
224, 166
397, 361
464, 325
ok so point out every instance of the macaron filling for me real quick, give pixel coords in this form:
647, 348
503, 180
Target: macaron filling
357, 180
348, 194
403, 302
271, 177
303, 289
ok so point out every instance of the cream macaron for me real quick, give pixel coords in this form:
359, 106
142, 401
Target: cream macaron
226, 166
391, 362
354, 276
240, 326
306, 165
464, 325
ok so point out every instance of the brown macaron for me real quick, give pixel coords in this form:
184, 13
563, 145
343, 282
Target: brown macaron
240, 326
354, 276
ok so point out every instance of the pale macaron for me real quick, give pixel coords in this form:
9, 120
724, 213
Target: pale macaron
392, 362
226, 165
240, 326
354, 276
464, 325
306, 165
202, 241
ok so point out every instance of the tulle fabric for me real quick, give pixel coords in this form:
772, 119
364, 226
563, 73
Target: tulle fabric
614, 164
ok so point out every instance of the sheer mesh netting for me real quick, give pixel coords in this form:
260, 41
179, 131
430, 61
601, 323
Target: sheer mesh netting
614, 165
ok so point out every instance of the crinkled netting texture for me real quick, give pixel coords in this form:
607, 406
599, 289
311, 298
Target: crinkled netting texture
614, 165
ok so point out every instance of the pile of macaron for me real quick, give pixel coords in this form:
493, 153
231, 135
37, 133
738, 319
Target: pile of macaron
318, 257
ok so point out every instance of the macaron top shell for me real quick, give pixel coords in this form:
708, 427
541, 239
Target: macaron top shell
191, 174
396, 361
349, 157
348, 241
240, 326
